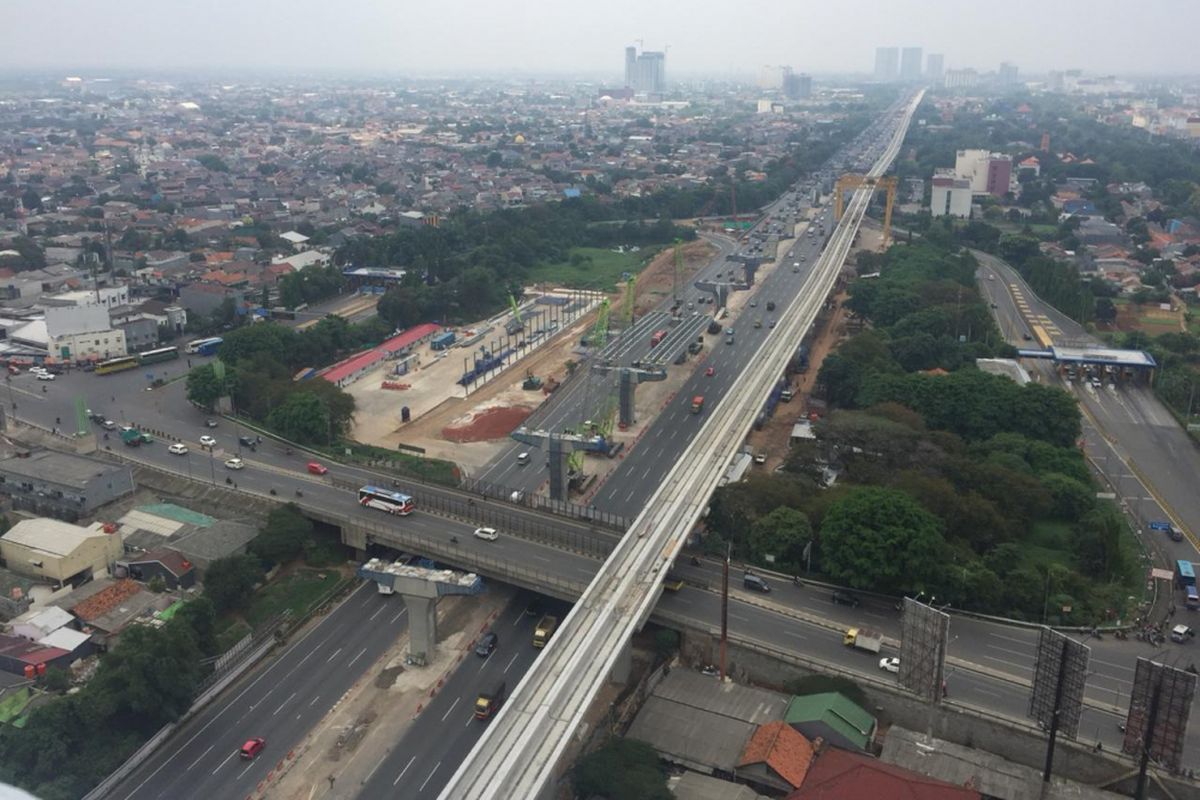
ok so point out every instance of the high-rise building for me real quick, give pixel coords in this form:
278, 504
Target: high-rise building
910, 64
961, 78
652, 71
934, 66
950, 196
887, 63
1008, 74
645, 72
797, 87
771, 77
999, 174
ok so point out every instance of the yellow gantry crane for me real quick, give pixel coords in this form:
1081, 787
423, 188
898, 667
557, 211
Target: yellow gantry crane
850, 182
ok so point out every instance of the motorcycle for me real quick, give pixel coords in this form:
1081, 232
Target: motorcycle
299, 493
695, 562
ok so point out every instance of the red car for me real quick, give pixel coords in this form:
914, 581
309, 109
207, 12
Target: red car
710, 372
315, 468
253, 747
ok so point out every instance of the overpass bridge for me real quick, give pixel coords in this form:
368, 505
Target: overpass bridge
517, 755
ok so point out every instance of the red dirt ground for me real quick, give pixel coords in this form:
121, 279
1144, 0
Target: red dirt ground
494, 423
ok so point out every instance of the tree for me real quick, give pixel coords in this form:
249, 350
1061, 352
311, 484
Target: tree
782, 535
284, 536
1098, 543
201, 617
623, 768
880, 539
1071, 498
230, 581
31, 199
302, 418
203, 386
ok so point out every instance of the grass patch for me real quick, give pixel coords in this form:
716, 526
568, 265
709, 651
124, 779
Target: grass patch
592, 268
325, 551
432, 470
295, 592
230, 631
1049, 542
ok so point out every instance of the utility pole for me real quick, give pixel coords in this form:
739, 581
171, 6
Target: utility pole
725, 608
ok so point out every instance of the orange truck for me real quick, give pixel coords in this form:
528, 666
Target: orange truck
697, 404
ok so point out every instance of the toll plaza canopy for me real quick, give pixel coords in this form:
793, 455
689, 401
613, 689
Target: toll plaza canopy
1103, 356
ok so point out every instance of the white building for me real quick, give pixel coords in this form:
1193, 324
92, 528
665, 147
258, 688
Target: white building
973, 166
106, 296
951, 195
88, 346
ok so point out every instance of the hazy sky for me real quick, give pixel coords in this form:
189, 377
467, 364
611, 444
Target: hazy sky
587, 36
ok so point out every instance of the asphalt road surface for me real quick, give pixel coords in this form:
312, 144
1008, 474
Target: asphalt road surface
279, 703
428, 753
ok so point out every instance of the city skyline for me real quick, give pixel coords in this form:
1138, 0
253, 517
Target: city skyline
362, 36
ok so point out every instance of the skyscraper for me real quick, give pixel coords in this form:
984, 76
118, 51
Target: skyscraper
1008, 73
652, 71
934, 67
645, 72
887, 63
797, 87
910, 64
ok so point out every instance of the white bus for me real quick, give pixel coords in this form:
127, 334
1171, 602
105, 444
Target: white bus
204, 346
386, 500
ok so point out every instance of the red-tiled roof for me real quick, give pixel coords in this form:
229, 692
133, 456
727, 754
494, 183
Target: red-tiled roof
782, 748
361, 360
106, 600
840, 775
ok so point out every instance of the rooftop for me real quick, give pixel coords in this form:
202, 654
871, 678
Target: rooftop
841, 714
1104, 355
50, 536
63, 469
836, 774
782, 748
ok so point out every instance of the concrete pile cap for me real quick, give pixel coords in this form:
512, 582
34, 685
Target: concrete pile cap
399, 568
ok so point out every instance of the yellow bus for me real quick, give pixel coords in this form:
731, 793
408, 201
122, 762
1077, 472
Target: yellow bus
1043, 339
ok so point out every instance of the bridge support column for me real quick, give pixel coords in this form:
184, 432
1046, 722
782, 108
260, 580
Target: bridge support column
558, 457
623, 665
420, 597
626, 398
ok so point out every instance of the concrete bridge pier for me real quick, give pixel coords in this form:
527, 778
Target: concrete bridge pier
420, 597
623, 666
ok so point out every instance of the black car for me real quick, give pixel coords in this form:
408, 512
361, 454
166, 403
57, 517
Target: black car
247, 441
845, 599
755, 583
487, 643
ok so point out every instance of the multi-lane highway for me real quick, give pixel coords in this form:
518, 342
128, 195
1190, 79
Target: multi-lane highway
280, 704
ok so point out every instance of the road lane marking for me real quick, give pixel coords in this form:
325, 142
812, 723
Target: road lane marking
1011, 639
314, 700
377, 613
988, 692
332, 657
1114, 666
223, 763
202, 755
406, 766
451, 708
243, 772
360, 652
378, 764
284, 703
398, 616
510, 663
426, 781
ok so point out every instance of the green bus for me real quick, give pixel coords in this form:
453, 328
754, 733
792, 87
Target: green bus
161, 354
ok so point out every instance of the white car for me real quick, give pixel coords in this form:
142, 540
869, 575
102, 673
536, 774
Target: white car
235, 463
45, 376
178, 449
489, 534
207, 441
889, 664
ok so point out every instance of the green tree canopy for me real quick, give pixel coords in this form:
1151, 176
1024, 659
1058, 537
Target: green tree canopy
780, 535
880, 539
230, 581
623, 768
284, 536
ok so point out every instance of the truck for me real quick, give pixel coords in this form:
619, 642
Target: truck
657, 338
544, 630
697, 404
489, 701
863, 639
